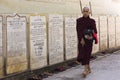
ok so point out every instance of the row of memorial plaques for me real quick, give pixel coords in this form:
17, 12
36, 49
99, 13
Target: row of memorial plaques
38, 38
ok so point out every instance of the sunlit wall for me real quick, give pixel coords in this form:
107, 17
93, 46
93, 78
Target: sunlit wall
59, 6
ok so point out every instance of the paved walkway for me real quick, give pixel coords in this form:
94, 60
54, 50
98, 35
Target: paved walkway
107, 68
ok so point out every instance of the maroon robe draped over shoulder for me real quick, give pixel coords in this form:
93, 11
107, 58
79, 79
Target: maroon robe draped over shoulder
84, 52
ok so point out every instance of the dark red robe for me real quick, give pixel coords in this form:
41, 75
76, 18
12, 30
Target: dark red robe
84, 52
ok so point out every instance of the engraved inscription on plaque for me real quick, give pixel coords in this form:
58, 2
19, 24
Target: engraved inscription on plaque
70, 37
16, 44
111, 29
103, 33
38, 46
55, 38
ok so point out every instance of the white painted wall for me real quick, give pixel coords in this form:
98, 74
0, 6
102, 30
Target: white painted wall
39, 6
59, 6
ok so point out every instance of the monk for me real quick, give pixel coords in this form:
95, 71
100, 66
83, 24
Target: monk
85, 43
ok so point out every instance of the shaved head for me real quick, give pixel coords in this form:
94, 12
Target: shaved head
86, 11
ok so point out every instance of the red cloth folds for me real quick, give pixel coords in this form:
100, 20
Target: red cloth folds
96, 38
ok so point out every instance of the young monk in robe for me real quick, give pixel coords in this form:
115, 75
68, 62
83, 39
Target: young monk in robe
85, 42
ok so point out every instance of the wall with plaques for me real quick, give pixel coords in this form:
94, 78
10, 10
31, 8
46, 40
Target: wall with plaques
103, 33
48, 39
51, 39
70, 37
16, 44
1, 46
96, 46
118, 31
38, 41
111, 31
55, 32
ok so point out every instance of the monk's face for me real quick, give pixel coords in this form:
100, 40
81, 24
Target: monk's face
86, 12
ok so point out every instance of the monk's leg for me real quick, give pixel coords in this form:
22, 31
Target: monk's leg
86, 60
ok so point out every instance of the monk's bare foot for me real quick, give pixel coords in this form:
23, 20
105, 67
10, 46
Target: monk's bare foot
78, 62
89, 70
85, 73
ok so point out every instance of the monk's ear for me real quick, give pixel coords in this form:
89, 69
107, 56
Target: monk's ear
89, 12
82, 12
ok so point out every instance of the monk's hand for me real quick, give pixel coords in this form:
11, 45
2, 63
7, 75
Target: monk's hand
90, 37
82, 42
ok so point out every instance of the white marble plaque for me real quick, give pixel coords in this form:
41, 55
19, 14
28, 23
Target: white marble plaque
96, 46
55, 38
70, 37
16, 44
1, 58
103, 33
38, 44
111, 31
118, 31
